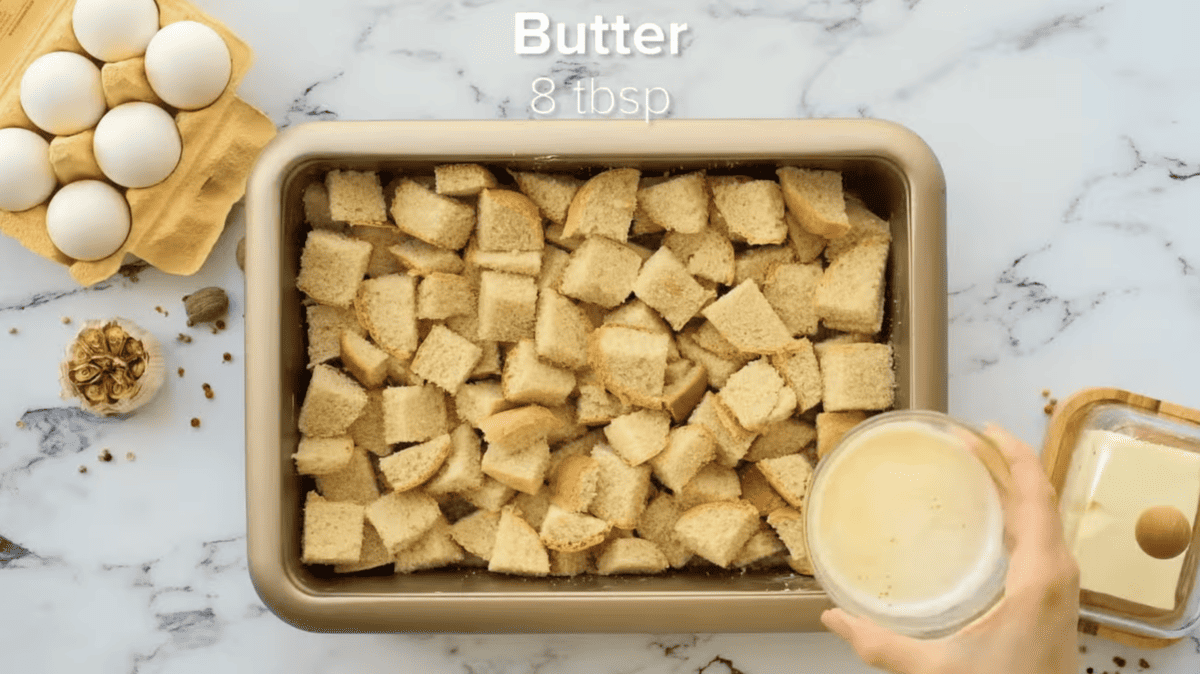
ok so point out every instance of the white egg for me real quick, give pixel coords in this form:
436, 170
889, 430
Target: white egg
88, 220
115, 30
188, 65
137, 144
61, 93
26, 176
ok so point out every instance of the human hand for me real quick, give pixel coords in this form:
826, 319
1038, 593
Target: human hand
1033, 628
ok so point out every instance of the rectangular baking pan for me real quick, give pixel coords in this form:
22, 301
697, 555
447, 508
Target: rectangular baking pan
892, 168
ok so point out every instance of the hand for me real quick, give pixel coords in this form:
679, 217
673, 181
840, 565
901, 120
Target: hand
1033, 628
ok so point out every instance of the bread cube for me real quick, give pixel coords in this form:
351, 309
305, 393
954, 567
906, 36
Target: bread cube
763, 544
507, 307
374, 554
354, 484
523, 262
595, 405
434, 549
518, 549
569, 531
573, 482
717, 368
717, 531
367, 429
413, 413
552, 193
441, 296
490, 495
678, 204
445, 358
850, 294
807, 246
666, 286
317, 456
412, 466
758, 396
800, 370
476, 401
402, 517
604, 205
711, 483
387, 308
638, 436
476, 532
367, 362
790, 436
858, 377
790, 526
865, 228
790, 476
561, 331
331, 267
332, 402
422, 259
325, 327
519, 427
791, 290
707, 255
689, 448
522, 467
831, 426
462, 180
432, 218
631, 363
732, 441
621, 490
631, 555
333, 532
753, 209
461, 469
745, 318
657, 524
758, 491
355, 197
815, 197
683, 391
758, 262
381, 238
508, 221
602, 272
527, 379
554, 263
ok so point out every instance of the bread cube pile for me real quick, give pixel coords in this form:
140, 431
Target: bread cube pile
544, 375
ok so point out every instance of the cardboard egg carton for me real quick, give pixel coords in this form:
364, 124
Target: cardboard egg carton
176, 222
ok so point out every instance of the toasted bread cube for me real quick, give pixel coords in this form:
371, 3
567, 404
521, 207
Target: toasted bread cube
631, 363
490, 494
791, 290
707, 255
717, 369
808, 246
382, 262
445, 358
508, 221
709, 338
568, 531
422, 259
402, 517
596, 405
354, 484
551, 192
332, 266
325, 327
866, 228
713, 482
523, 262
476, 532
682, 392
757, 263
637, 314
679, 204
320, 456
850, 294
507, 307
638, 436
831, 426
601, 272
815, 197
800, 370
573, 482
666, 286
569, 427
621, 490
717, 531
413, 414
412, 466
441, 296
819, 348
745, 318
554, 263
316, 208
570, 563
333, 401
333, 532
732, 441
355, 197
367, 362
758, 491
489, 362
762, 545
689, 448
533, 507
518, 549
432, 218
790, 436
858, 377
753, 209
400, 373
462, 180
522, 467
479, 400
554, 234
581, 446
604, 205
631, 555
790, 476
367, 430
528, 379
657, 524
519, 427
561, 331
790, 526
387, 308
461, 470
432, 550
758, 396
374, 554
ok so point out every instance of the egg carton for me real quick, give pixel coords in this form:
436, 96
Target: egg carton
175, 223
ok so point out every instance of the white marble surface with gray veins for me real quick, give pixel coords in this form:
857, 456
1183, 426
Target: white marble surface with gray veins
1069, 132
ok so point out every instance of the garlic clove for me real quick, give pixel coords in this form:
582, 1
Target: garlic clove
123, 363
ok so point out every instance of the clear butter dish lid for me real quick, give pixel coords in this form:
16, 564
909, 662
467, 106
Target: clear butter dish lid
1127, 471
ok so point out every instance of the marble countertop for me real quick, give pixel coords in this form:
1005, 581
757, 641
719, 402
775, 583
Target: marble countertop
1069, 132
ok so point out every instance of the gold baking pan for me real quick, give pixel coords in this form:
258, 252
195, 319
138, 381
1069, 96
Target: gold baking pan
891, 167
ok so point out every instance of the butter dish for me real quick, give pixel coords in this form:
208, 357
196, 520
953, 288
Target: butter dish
1112, 456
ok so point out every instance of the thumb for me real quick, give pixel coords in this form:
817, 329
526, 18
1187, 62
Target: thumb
877, 646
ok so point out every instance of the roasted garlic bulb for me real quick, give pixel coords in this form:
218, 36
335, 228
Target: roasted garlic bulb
113, 367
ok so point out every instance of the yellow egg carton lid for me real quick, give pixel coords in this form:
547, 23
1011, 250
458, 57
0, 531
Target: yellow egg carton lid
176, 222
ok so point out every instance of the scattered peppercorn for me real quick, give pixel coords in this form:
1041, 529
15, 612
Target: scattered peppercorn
83, 469
1045, 393
158, 309
20, 424
130, 456
12, 331
1048, 409
1118, 661
195, 422
1143, 664
227, 357
106, 456
1091, 671
208, 392
186, 339
181, 372
66, 320
1054, 401
220, 325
